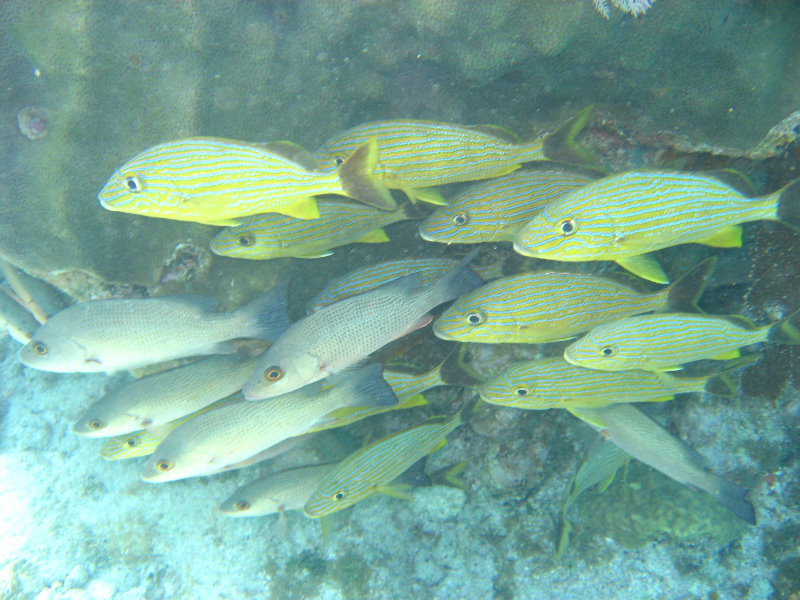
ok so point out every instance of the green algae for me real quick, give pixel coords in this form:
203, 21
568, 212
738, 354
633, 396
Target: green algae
651, 508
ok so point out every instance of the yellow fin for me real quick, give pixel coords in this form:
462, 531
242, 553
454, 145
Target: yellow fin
727, 237
429, 195
376, 236
358, 178
314, 254
395, 490
303, 208
644, 266
453, 475
727, 355
588, 415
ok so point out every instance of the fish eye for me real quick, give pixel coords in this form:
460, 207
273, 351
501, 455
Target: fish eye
522, 391
461, 219
475, 318
273, 373
608, 351
132, 184
338, 495
246, 240
567, 227
164, 465
39, 348
338, 160
96, 424
242, 505
131, 443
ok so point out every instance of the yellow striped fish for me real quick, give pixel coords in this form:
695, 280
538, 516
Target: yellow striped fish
373, 467
368, 278
340, 222
416, 154
275, 493
216, 181
533, 308
662, 342
554, 383
492, 211
624, 216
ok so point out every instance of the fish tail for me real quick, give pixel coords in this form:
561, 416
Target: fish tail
786, 331
732, 497
788, 211
562, 146
266, 317
457, 281
455, 370
719, 382
367, 387
358, 179
683, 294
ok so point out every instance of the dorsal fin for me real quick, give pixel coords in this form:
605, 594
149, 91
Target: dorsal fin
496, 131
294, 152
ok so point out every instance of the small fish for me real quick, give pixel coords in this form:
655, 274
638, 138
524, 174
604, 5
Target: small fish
663, 342
493, 210
37, 297
645, 440
340, 222
554, 383
624, 216
275, 493
218, 438
375, 466
14, 319
598, 468
346, 332
110, 335
533, 308
216, 181
152, 402
414, 155
368, 278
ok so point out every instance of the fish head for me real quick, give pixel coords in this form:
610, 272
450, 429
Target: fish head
337, 490
464, 321
173, 460
105, 421
241, 504
603, 350
242, 241
145, 185
280, 373
569, 232
49, 350
513, 387
460, 225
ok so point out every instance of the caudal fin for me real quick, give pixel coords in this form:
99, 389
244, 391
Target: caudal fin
732, 497
686, 291
265, 318
786, 331
358, 179
789, 205
562, 146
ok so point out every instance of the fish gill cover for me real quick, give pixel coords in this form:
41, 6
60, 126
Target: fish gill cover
691, 87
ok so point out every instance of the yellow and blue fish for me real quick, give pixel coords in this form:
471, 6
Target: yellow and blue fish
555, 383
663, 342
375, 466
493, 210
538, 307
261, 237
624, 216
414, 155
217, 181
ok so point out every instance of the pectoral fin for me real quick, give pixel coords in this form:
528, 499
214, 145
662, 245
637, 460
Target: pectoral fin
644, 266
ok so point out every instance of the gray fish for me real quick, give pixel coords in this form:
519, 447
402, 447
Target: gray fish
218, 438
110, 335
645, 440
14, 319
152, 402
346, 332
275, 493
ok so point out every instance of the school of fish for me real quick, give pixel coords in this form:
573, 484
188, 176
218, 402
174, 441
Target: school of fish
258, 385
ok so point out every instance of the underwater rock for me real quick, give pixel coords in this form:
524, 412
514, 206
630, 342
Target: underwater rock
32, 122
